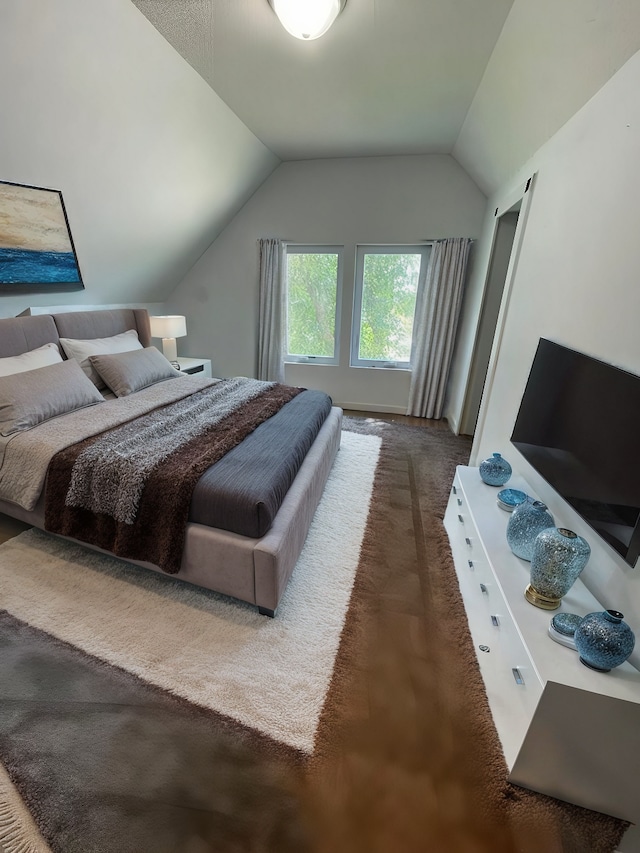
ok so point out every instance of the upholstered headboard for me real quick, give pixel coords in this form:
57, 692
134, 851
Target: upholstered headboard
20, 334
85, 325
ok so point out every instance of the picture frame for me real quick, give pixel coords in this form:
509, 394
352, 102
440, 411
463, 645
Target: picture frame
37, 254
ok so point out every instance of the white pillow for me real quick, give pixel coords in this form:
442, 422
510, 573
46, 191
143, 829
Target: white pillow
81, 350
32, 360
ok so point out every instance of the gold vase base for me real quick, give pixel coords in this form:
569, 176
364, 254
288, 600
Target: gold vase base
538, 600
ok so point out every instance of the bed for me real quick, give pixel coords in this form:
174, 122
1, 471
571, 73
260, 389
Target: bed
253, 565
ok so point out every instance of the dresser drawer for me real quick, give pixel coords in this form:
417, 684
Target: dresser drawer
475, 565
513, 690
478, 580
515, 680
512, 687
465, 527
490, 598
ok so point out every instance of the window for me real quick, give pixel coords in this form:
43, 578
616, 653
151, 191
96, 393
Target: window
314, 286
384, 304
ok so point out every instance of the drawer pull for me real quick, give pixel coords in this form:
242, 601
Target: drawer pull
471, 566
454, 490
495, 621
460, 519
517, 675
484, 589
459, 502
484, 648
468, 541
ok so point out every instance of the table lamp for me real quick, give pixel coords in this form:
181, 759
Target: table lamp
169, 328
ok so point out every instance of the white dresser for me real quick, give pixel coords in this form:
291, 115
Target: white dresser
566, 730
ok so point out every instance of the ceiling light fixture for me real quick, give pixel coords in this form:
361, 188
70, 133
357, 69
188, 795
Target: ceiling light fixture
307, 19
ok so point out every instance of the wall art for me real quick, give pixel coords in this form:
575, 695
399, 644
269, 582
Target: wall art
37, 254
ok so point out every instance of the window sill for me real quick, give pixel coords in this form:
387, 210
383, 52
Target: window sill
380, 367
312, 361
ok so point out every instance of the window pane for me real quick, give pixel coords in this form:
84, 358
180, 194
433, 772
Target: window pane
311, 303
389, 287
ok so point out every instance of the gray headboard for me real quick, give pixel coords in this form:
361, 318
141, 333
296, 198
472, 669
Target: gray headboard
103, 324
20, 334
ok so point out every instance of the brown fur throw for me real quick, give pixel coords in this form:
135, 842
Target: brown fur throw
128, 490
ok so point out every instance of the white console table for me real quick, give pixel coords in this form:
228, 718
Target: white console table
566, 730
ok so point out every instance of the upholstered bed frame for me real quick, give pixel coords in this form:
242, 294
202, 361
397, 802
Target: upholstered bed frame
253, 570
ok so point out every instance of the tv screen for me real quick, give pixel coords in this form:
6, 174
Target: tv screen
579, 427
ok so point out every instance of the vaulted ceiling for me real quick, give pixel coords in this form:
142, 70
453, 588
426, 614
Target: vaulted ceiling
390, 76
155, 159
489, 82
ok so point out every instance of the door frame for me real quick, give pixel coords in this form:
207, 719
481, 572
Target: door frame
524, 194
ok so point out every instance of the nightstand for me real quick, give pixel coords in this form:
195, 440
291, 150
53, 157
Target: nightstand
195, 366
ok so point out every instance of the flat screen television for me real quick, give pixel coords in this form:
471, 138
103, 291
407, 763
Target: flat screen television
578, 426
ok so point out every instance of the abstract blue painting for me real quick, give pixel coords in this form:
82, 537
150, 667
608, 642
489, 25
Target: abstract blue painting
36, 247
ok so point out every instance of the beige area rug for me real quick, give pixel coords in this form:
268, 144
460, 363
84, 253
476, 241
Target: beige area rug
269, 674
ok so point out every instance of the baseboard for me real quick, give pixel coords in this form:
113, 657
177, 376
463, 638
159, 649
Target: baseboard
370, 407
454, 424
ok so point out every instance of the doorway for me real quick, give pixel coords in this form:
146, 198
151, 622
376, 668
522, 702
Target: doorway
504, 238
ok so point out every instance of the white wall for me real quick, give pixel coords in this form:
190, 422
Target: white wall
551, 57
343, 202
577, 282
151, 163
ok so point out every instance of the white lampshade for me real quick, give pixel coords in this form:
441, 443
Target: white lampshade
169, 327
307, 19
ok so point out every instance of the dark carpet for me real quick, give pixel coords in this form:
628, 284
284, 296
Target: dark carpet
407, 757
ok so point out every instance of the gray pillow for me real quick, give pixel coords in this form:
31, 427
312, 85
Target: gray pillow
29, 398
81, 349
127, 372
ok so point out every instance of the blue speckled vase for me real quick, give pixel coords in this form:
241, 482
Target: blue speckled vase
603, 640
495, 471
559, 555
526, 521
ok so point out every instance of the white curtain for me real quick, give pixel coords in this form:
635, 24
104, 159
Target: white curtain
437, 311
272, 311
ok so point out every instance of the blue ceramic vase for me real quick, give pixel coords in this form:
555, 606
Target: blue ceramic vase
495, 471
603, 640
559, 555
527, 520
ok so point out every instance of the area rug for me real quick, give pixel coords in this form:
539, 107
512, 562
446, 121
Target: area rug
269, 674
405, 755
